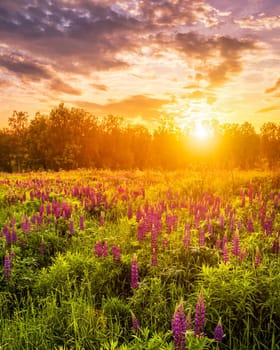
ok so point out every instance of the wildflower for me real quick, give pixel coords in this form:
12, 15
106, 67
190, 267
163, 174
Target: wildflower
82, 223
225, 253
7, 266
201, 237
134, 272
116, 253
236, 244
98, 249
219, 332
7, 234
71, 226
199, 316
135, 323
179, 328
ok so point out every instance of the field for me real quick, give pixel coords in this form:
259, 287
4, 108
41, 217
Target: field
140, 260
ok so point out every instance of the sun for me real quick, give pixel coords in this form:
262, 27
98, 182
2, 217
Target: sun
202, 132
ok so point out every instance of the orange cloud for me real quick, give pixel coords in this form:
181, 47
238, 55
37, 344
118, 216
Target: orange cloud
269, 109
144, 106
274, 88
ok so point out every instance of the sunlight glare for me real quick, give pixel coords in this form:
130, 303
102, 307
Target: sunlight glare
202, 132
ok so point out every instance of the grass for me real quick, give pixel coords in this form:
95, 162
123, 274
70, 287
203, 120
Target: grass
68, 297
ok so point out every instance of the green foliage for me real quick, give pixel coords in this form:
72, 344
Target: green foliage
71, 296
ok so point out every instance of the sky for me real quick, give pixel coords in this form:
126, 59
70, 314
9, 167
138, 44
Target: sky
143, 60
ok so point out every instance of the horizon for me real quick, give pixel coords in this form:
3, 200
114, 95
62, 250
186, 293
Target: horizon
191, 61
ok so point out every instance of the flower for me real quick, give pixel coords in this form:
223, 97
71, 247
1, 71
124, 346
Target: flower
179, 327
219, 332
71, 226
116, 253
199, 316
7, 266
135, 323
82, 223
236, 244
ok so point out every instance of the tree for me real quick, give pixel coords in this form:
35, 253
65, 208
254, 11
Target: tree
18, 125
270, 143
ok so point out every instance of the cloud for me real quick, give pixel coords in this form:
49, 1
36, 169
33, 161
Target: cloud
273, 88
60, 86
88, 34
226, 50
138, 105
100, 87
81, 36
4, 83
269, 109
24, 67
259, 23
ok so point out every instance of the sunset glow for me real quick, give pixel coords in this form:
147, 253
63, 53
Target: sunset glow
142, 60
202, 132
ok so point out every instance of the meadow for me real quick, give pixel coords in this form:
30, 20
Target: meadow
140, 260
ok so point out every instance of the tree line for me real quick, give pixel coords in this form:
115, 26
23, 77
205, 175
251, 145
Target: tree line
71, 138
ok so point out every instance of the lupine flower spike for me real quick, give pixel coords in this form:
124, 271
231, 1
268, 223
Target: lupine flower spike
179, 327
199, 316
7, 266
135, 322
219, 332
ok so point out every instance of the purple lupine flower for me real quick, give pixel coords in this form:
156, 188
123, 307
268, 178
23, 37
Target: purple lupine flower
258, 257
82, 223
116, 253
7, 266
199, 316
7, 234
98, 249
135, 323
201, 237
218, 332
134, 273
71, 227
179, 328
225, 253
236, 244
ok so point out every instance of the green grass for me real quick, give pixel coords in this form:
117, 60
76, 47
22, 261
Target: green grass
69, 298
